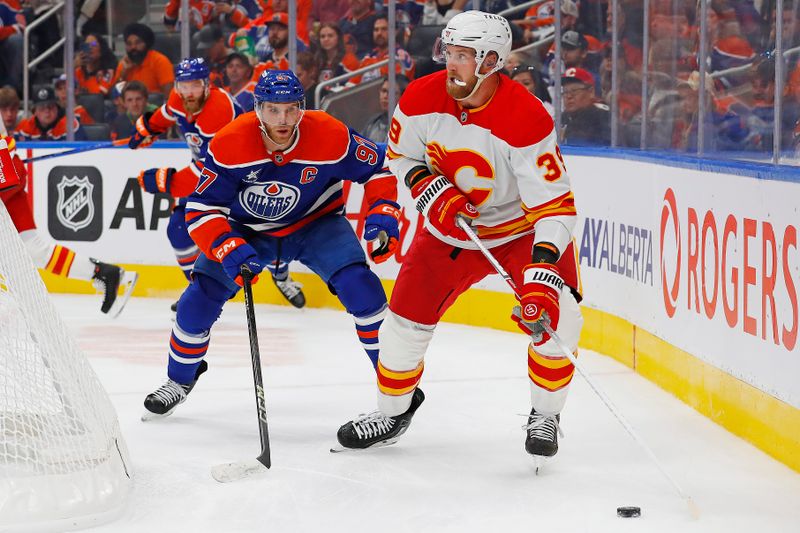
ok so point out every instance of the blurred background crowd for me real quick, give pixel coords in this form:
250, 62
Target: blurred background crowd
702, 77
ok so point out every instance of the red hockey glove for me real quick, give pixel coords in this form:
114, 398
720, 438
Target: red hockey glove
382, 223
144, 135
539, 300
156, 179
8, 172
440, 202
233, 252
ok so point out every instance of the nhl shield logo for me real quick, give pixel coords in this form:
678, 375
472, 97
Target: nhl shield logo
271, 200
75, 208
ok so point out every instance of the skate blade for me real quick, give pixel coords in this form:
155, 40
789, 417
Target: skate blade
148, 416
228, 472
539, 462
126, 283
338, 448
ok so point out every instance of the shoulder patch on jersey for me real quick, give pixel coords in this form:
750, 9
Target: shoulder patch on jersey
217, 112
322, 138
239, 143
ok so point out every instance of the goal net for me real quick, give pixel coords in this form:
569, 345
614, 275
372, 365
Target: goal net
63, 462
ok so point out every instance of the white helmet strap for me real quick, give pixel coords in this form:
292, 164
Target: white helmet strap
480, 77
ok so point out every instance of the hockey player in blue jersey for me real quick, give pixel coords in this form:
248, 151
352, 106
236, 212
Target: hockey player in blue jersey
271, 191
199, 110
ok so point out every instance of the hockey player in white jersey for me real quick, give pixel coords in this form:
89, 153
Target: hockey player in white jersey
469, 142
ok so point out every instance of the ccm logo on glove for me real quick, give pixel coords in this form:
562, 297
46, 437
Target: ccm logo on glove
223, 250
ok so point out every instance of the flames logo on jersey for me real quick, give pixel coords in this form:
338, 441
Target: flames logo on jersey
455, 165
269, 201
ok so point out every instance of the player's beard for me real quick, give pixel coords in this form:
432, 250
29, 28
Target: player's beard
459, 92
194, 106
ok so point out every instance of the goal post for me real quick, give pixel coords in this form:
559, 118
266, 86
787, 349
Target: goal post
63, 461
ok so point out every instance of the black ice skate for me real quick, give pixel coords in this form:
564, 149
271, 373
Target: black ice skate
109, 279
291, 290
377, 429
541, 440
168, 396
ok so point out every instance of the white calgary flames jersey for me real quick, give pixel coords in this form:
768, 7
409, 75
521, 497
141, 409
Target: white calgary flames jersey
503, 156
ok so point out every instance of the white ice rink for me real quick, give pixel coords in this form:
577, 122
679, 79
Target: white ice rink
461, 466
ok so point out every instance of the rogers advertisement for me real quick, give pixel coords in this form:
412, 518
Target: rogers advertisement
709, 262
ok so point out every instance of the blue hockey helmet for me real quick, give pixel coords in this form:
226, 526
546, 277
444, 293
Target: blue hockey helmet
192, 68
279, 86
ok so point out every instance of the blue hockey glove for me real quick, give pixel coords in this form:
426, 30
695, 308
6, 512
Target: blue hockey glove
233, 252
156, 179
382, 223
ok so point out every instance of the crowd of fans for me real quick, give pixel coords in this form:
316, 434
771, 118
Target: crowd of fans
241, 38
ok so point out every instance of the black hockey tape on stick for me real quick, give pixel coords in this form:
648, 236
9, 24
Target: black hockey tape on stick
255, 355
566, 352
383, 245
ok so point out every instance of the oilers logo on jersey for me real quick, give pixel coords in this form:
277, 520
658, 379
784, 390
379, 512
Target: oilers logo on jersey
195, 142
271, 200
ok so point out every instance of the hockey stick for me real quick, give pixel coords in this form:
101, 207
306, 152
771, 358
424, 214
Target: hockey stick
227, 472
693, 509
87, 148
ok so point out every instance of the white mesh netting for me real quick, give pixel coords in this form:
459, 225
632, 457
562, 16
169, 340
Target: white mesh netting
63, 462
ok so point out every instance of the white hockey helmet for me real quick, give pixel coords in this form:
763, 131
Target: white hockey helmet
483, 32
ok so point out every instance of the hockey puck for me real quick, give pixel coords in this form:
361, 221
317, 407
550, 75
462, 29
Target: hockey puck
629, 512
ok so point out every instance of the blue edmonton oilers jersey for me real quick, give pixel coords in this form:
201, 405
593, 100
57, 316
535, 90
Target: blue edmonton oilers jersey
280, 192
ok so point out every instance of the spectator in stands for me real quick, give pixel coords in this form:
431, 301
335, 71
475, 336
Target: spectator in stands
60, 85
437, 12
12, 24
116, 98
332, 58
585, 120
514, 60
211, 47
201, 12
407, 15
278, 57
377, 127
539, 21
574, 51
142, 63
257, 29
237, 13
308, 73
358, 22
724, 129
239, 73
48, 122
404, 64
134, 99
95, 66
630, 33
730, 52
761, 118
329, 11
531, 79
9, 108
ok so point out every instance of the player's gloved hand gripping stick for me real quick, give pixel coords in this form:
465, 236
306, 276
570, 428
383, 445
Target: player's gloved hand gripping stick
382, 223
693, 509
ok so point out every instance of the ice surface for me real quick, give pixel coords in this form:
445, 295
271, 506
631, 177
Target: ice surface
460, 467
